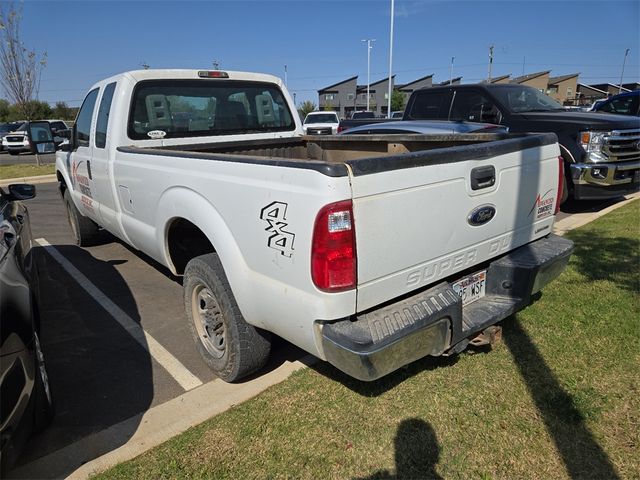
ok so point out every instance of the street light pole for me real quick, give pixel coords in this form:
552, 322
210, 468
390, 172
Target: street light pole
390, 60
490, 62
285, 77
622, 74
369, 47
451, 71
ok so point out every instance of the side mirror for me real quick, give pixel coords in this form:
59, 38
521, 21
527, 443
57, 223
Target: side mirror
40, 137
22, 191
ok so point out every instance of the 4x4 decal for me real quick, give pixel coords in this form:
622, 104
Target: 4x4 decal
275, 214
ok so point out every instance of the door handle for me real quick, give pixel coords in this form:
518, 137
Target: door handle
89, 170
483, 177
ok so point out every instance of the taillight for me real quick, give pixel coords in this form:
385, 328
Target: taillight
333, 248
340, 128
560, 184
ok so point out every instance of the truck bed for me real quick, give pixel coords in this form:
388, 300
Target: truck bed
363, 154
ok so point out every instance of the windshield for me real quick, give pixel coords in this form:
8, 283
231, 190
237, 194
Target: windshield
192, 108
321, 118
525, 99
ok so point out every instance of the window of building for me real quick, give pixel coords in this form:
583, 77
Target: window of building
552, 90
103, 115
351, 96
83, 122
386, 96
569, 92
328, 96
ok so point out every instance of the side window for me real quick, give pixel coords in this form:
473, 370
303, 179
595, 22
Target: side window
83, 122
430, 106
470, 106
620, 105
103, 115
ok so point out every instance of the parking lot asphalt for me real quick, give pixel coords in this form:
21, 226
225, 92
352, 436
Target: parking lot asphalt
115, 336
114, 333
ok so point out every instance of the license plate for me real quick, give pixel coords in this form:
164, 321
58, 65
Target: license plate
471, 288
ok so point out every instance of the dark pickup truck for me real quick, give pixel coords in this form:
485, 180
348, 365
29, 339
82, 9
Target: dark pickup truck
601, 151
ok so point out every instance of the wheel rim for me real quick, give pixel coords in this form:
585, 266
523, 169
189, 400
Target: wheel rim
208, 320
42, 369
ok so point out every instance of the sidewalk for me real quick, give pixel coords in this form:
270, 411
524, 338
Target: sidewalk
32, 180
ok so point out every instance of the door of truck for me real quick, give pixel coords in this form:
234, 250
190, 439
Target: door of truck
84, 187
100, 165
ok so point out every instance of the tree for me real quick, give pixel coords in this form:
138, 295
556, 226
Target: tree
4, 110
306, 107
397, 100
21, 67
31, 110
62, 111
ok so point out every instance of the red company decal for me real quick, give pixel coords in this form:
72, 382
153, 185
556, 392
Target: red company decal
543, 205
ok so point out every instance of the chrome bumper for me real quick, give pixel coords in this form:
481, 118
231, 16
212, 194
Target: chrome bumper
373, 344
605, 174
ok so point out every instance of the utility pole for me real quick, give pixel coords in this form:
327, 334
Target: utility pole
369, 47
294, 99
524, 59
451, 71
490, 61
285, 77
622, 74
216, 64
390, 60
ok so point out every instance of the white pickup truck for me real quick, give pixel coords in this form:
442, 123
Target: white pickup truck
369, 252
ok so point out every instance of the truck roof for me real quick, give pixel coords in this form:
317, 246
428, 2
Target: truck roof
191, 74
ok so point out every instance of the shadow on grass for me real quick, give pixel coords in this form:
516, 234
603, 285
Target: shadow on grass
386, 383
581, 454
416, 452
613, 259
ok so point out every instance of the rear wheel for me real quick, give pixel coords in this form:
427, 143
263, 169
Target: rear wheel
85, 231
228, 344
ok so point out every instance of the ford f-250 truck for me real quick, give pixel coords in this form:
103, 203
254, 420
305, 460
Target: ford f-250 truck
368, 252
601, 151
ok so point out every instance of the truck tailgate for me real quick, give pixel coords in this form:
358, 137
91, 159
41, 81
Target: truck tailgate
419, 218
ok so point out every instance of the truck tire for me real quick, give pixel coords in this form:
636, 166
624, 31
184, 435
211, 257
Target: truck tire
85, 231
13, 152
43, 402
228, 344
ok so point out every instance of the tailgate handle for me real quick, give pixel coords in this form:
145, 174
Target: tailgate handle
483, 177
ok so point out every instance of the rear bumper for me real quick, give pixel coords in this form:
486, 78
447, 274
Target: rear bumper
605, 180
378, 342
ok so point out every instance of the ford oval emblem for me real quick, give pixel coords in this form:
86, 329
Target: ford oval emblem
481, 215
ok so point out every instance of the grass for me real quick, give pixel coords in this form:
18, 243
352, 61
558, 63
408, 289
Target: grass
558, 398
26, 170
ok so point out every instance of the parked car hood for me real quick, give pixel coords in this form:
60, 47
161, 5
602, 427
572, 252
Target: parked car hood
321, 125
583, 120
425, 127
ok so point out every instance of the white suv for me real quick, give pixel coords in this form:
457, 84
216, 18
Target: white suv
18, 141
321, 123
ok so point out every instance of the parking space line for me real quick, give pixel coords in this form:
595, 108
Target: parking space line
171, 364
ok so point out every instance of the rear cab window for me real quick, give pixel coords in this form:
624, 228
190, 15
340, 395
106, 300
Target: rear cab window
103, 115
430, 106
193, 108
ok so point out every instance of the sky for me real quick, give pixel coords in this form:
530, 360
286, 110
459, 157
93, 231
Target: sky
320, 41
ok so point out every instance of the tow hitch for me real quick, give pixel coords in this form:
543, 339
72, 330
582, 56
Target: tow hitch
489, 336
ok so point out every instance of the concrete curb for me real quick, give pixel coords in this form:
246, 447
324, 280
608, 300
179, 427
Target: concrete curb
151, 428
33, 180
577, 220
